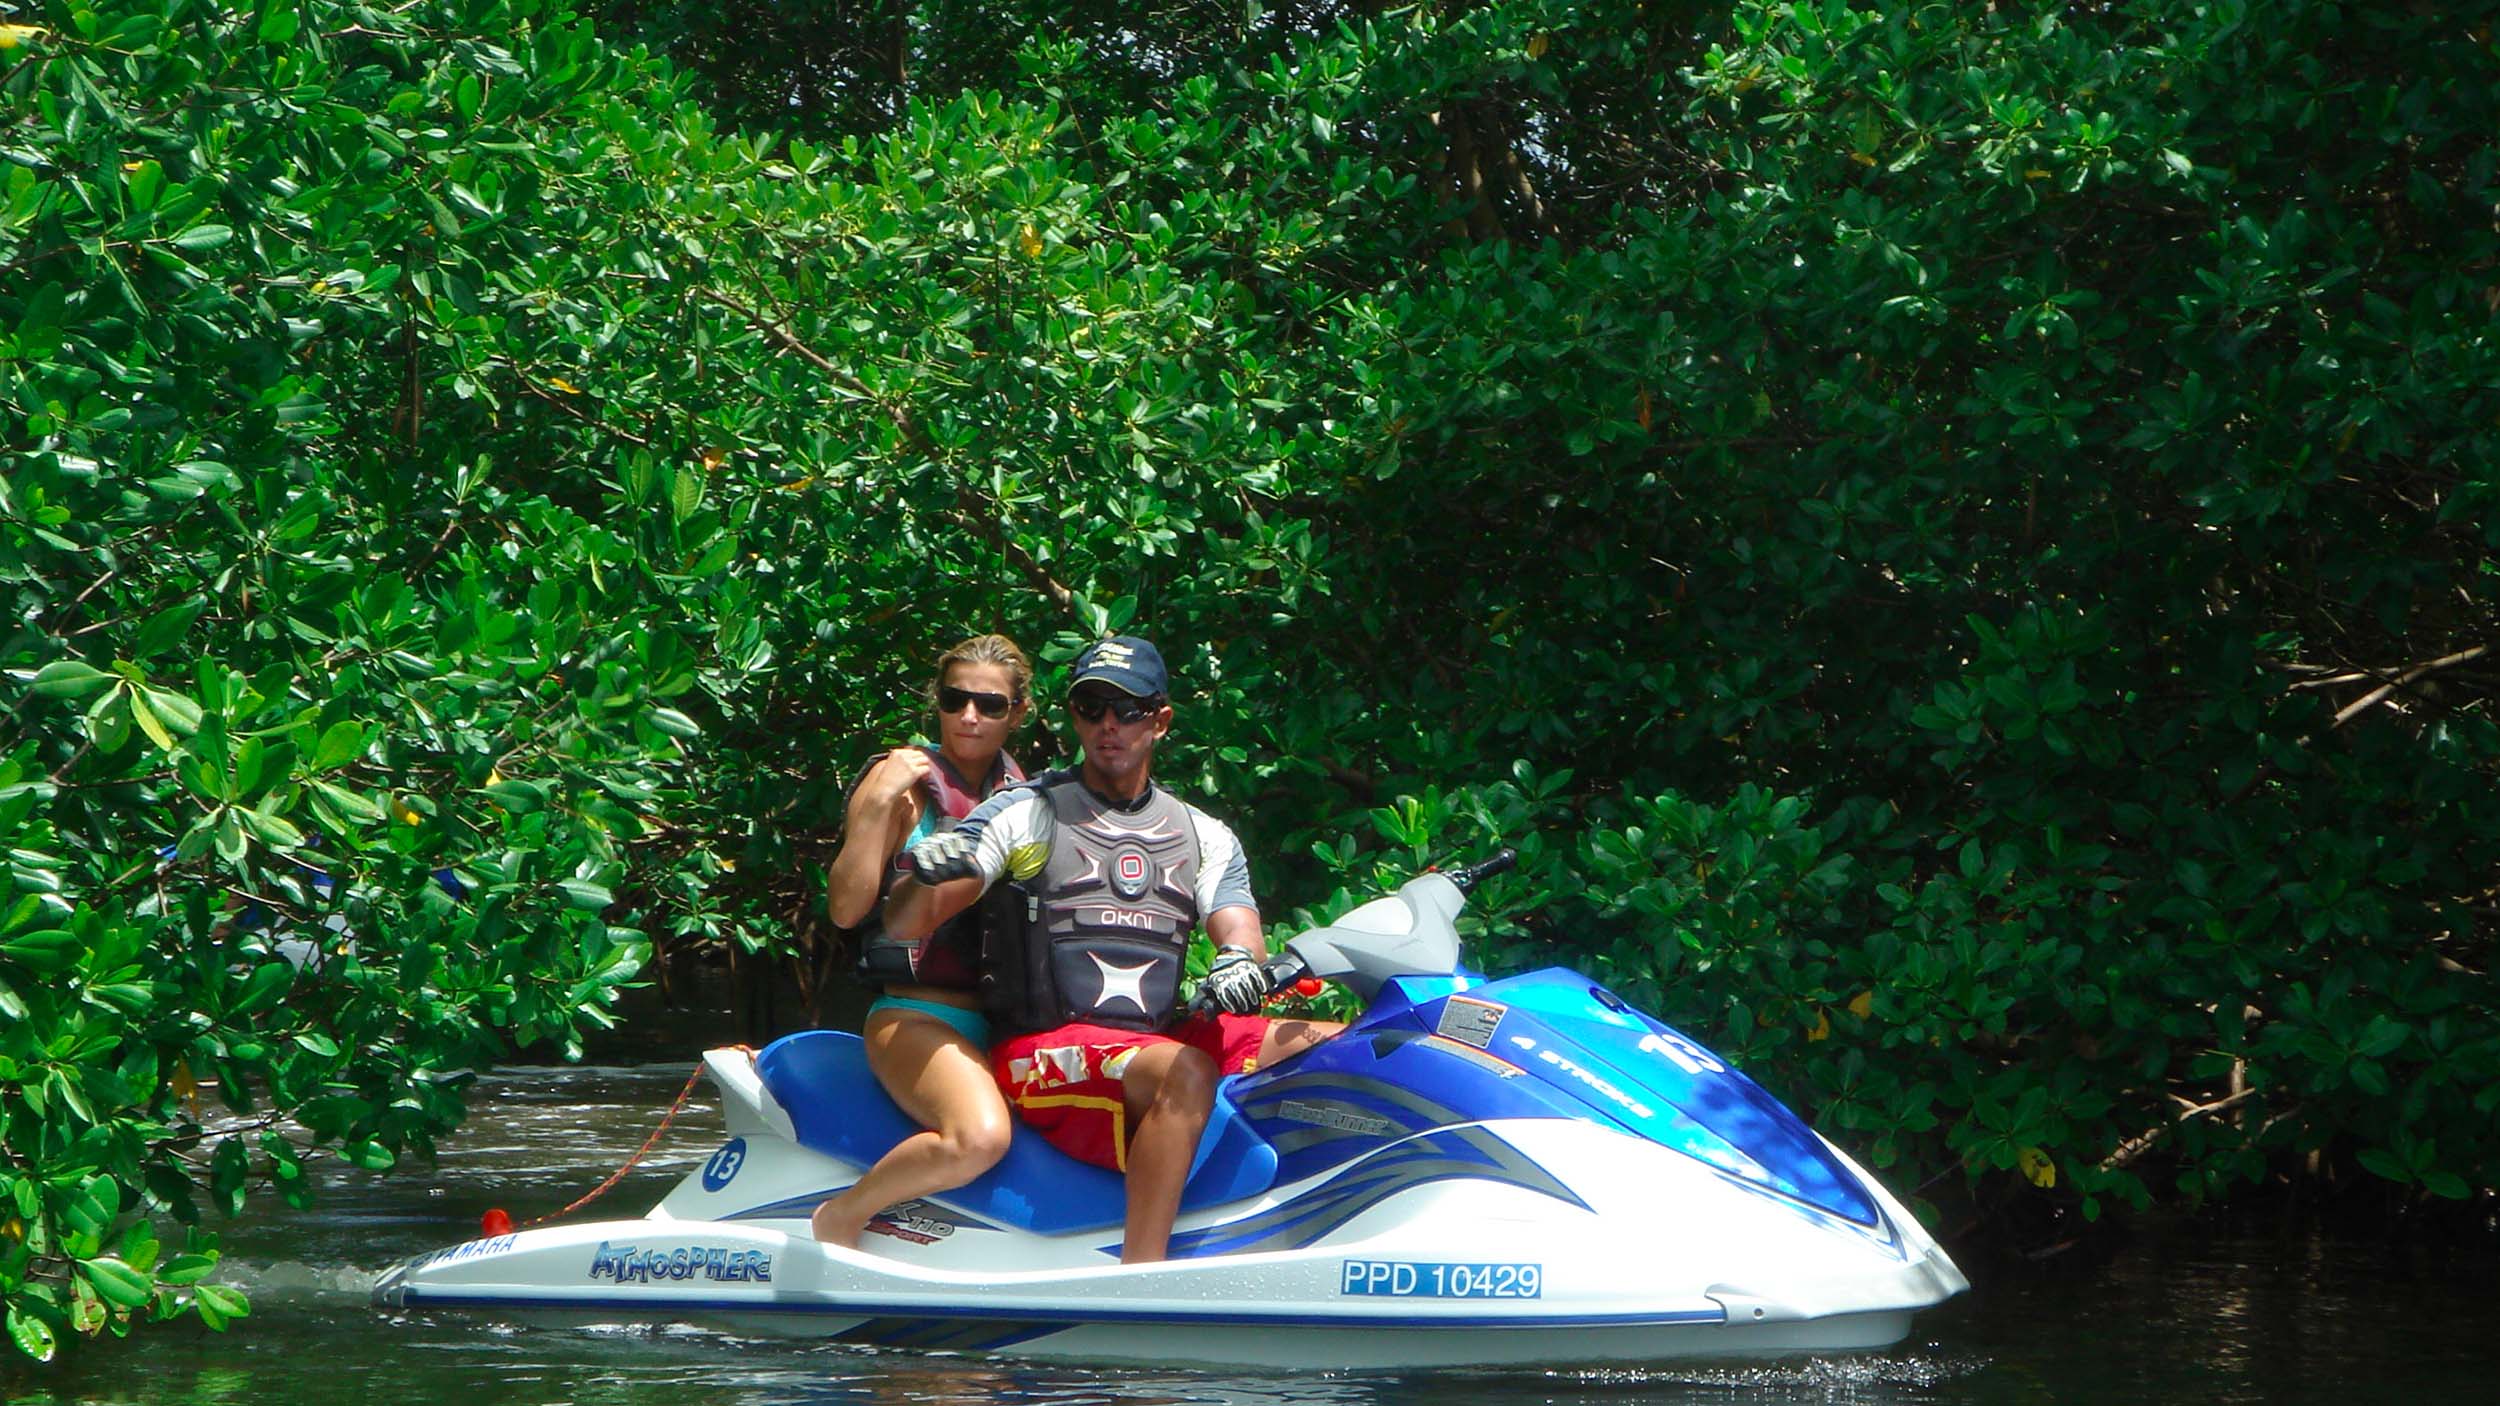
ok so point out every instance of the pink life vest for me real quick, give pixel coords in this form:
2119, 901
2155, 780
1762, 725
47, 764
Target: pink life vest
950, 957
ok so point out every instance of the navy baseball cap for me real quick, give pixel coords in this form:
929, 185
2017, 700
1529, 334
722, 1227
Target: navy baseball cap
1125, 662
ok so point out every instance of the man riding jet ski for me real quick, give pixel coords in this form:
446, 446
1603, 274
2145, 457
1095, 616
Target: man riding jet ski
1105, 873
1475, 1172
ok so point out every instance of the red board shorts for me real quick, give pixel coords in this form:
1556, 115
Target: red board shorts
1065, 1082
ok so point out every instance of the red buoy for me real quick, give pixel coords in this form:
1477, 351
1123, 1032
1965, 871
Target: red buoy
495, 1222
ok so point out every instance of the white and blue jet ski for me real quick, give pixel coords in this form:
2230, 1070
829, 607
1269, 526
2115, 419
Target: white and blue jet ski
1477, 1172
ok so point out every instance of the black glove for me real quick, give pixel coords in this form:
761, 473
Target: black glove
1238, 983
943, 856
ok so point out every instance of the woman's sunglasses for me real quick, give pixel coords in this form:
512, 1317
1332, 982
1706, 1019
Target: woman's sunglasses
1090, 706
951, 700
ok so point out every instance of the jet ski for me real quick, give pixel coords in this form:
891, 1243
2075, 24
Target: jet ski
1477, 1172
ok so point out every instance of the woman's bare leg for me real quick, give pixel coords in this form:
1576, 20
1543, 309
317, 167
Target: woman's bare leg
943, 1082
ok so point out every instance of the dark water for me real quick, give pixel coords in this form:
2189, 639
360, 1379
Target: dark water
2185, 1313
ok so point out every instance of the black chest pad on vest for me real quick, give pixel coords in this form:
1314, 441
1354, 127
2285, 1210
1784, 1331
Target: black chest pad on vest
1118, 897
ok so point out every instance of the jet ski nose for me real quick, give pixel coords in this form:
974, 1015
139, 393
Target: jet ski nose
391, 1289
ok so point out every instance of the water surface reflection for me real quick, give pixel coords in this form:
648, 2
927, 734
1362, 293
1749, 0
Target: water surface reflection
2188, 1315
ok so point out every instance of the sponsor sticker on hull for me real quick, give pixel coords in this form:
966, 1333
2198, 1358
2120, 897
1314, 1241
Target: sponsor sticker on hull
638, 1264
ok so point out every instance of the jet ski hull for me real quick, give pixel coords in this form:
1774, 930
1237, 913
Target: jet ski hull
1653, 1256
1476, 1173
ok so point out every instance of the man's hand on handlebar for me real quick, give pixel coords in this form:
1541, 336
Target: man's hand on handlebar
1237, 984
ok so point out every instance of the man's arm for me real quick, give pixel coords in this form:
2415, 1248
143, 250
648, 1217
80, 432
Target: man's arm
1009, 833
1238, 981
1238, 926
914, 909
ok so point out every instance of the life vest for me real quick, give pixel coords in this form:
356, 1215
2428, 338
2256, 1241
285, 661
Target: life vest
1104, 927
950, 957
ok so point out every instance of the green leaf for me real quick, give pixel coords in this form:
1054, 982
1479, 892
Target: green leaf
232, 841
2386, 1164
203, 237
166, 628
351, 804
117, 1283
228, 1170
108, 720
219, 1305
2447, 1185
68, 678
262, 988
186, 1269
519, 797
144, 714
275, 831
181, 712
46, 950
2384, 1037
341, 742
584, 894
370, 1155
31, 1334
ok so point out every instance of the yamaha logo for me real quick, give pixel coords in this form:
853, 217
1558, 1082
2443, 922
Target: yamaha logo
1128, 874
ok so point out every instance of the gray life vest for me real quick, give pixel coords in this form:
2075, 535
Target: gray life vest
1106, 923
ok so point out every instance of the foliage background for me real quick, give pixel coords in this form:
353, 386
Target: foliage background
1958, 542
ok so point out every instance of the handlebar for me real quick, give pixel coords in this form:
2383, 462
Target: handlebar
1503, 860
1283, 970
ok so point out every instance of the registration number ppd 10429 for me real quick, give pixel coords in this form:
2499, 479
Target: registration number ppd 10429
1408, 1279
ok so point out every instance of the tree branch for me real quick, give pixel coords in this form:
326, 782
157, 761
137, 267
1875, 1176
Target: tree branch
2380, 694
2144, 1142
1464, 166
1514, 175
971, 512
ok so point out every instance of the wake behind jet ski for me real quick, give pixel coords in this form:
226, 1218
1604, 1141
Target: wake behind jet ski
1476, 1172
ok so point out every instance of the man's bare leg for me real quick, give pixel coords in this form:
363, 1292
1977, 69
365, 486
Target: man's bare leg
1169, 1090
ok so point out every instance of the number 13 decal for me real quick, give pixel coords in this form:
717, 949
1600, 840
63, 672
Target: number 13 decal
1689, 1057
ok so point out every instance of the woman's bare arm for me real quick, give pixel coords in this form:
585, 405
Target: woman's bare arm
882, 811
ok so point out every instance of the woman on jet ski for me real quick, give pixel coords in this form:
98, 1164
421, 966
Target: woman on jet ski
927, 1041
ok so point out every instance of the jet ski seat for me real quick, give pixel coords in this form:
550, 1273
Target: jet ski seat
821, 1079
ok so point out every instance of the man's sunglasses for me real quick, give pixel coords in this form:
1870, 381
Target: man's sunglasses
1091, 706
951, 700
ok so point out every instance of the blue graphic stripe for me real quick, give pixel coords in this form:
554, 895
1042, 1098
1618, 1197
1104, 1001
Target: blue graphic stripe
1881, 1233
1314, 1226
801, 1206
1462, 1153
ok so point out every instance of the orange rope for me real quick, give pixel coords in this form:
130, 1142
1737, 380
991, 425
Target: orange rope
647, 1144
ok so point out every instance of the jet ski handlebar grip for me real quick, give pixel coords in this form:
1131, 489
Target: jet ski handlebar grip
1467, 878
1283, 970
